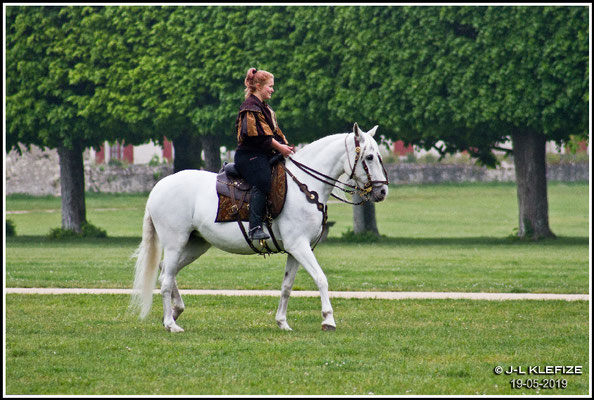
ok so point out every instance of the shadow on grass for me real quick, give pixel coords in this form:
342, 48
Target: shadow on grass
567, 241
564, 241
46, 241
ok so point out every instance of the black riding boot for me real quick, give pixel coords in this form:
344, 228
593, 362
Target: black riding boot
257, 208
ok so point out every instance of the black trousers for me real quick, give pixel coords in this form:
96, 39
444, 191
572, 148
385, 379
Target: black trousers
255, 168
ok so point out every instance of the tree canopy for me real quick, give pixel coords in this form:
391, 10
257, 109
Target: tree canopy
455, 78
466, 76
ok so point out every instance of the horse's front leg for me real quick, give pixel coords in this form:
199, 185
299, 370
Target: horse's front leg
290, 272
304, 256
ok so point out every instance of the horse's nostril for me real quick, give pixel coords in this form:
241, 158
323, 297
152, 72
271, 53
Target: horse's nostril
383, 191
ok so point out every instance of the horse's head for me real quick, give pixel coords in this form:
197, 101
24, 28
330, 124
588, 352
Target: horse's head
364, 164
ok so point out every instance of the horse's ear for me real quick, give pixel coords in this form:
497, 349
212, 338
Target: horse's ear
372, 131
358, 134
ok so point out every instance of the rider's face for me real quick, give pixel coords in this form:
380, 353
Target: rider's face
265, 90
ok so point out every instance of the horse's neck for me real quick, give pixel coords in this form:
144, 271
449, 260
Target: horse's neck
325, 155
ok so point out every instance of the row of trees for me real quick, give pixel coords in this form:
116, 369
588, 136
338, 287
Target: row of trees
461, 78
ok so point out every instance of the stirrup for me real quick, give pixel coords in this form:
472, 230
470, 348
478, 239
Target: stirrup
258, 233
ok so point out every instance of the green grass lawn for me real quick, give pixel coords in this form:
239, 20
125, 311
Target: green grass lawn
91, 345
465, 265
410, 211
436, 238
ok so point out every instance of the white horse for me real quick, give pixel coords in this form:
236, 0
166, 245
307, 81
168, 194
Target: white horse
181, 210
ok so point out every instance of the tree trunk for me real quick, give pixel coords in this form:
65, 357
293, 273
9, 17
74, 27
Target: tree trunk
212, 153
531, 177
188, 152
364, 217
72, 186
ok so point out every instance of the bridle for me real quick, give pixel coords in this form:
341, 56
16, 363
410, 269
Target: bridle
346, 187
370, 182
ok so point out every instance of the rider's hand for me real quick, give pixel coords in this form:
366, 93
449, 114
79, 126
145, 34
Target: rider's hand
282, 148
286, 151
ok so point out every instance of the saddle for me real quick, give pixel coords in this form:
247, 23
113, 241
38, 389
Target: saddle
234, 193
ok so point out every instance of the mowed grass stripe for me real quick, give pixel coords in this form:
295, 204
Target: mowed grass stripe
439, 238
400, 265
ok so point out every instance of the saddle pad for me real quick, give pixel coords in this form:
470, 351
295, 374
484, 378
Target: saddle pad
276, 200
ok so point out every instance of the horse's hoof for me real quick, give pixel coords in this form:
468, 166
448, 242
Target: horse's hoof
326, 327
284, 326
174, 328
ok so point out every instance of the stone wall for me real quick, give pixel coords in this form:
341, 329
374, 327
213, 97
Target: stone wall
130, 179
438, 173
37, 172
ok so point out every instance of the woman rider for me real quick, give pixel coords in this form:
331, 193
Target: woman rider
258, 139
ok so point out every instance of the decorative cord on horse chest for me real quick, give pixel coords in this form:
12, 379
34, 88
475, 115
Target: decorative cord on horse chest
313, 198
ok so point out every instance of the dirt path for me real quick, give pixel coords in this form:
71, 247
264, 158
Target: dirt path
306, 293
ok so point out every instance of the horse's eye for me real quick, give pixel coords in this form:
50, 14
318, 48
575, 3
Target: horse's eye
369, 157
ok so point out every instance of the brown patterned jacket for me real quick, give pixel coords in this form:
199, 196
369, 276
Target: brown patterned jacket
256, 126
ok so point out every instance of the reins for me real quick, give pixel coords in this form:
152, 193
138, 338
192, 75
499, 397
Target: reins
333, 182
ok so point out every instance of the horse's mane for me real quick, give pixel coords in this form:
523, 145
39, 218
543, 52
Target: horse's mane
317, 146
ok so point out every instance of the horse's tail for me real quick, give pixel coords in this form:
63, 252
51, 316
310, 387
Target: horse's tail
148, 256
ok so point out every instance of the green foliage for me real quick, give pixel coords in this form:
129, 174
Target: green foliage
574, 142
10, 228
88, 231
464, 75
450, 78
157, 175
92, 231
579, 157
154, 162
364, 237
411, 158
63, 64
118, 163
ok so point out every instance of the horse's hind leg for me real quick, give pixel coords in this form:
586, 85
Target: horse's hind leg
177, 302
174, 260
